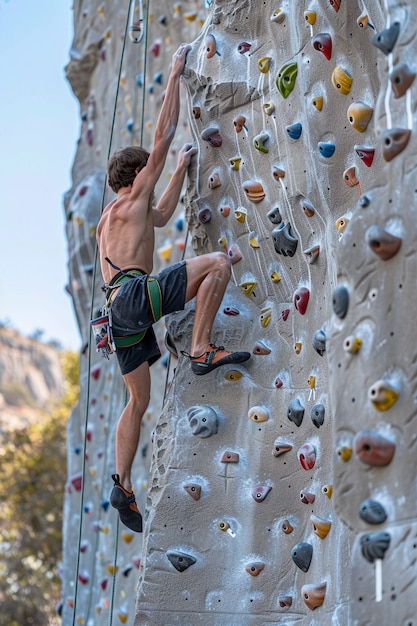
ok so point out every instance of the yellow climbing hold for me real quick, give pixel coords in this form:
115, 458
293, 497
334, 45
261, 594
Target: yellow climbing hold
341, 80
275, 277
240, 214
233, 375
362, 20
122, 615
298, 347
327, 490
266, 317
359, 115
312, 382
112, 569
190, 17
383, 395
164, 253
352, 344
223, 241
345, 452
127, 537
321, 527
253, 239
78, 220
310, 17
317, 102
263, 64
235, 163
248, 287
224, 526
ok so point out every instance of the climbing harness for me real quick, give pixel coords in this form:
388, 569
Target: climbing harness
102, 326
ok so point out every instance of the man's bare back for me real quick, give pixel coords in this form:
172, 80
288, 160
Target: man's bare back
125, 235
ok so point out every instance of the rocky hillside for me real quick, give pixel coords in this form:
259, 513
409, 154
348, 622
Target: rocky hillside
30, 378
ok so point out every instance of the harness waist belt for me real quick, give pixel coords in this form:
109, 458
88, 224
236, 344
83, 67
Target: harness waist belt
122, 277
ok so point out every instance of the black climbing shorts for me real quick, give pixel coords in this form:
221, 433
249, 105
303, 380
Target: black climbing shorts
132, 313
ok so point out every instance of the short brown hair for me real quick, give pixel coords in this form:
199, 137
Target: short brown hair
122, 165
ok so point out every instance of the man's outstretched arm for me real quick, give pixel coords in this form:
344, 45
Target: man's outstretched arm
166, 125
169, 199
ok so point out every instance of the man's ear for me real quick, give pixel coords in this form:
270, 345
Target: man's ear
137, 170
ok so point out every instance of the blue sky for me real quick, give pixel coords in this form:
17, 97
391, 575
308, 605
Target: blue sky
39, 127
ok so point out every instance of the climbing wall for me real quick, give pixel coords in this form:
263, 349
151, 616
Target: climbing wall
372, 350
240, 524
120, 87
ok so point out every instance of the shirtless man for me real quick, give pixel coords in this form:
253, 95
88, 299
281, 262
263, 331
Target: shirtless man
125, 236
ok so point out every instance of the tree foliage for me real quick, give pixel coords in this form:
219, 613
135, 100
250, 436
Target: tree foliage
33, 462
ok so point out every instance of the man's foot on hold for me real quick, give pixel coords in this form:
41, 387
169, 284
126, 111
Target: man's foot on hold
214, 357
125, 502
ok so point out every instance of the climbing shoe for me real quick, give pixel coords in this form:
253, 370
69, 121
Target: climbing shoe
125, 502
213, 358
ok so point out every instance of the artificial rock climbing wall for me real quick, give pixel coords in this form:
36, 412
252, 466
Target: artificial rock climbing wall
274, 493
241, 527
120, 86
372, 350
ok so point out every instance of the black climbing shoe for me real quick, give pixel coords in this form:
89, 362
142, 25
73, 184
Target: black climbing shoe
215, 357
125, 502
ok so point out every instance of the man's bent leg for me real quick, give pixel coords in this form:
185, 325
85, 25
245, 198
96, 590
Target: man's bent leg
127, 440
207, 278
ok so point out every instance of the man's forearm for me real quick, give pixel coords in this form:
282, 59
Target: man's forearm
169, 199
168, 116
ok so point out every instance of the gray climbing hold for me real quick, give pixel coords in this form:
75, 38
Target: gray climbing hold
295, 411
212, 136
317, 415
274, 216
319, 342
401, 77
340, 301
180, 560
203, 420
285, 242
302, 554
374, 545
385, 40
372, 512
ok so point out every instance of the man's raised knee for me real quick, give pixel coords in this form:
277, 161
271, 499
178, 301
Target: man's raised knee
222, 262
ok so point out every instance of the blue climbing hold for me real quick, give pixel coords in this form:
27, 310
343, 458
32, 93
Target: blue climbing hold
294, 130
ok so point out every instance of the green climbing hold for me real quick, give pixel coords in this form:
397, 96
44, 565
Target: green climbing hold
285, 81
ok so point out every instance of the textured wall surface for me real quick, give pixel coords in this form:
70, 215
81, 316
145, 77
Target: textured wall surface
373, 353
276, 488
281, 102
